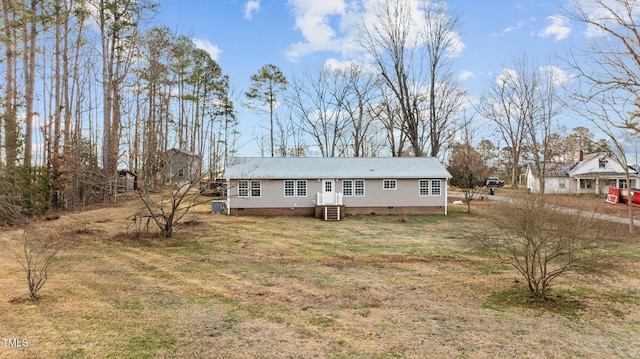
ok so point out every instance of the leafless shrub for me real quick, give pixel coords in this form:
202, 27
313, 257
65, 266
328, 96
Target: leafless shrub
544, 241
11, 210
167, 209
38, 250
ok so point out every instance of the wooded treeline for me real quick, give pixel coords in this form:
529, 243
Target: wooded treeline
91, 87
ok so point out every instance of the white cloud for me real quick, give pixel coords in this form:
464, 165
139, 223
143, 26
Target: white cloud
520, 24
313, 19
507, 76
517, 26
465, 75
556, 75
250, 7
334, 25
213, 50
456, 46
557, 29
334, 64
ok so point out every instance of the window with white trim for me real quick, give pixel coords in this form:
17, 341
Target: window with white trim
301, 188
256, 189
295, 188
602, 162
435, 187
248, 188
389, 184
353, 188
424, 187
358, 188
347, 188
622, 183
289, 188
328, 186
243, 188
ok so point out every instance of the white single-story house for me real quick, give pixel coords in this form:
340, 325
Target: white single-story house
593, 173
330, 187
556, 178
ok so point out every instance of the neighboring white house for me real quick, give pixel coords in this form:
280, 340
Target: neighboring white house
593, 173
310, 186
556, 180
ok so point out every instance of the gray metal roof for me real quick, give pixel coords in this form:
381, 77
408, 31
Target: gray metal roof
553, 169
335, 167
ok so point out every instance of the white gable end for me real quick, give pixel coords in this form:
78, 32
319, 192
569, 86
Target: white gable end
597, 164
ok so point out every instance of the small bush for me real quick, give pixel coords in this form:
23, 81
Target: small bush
544, 241
38, 251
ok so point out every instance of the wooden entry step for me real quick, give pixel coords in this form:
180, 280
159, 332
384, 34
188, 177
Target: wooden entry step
330, 212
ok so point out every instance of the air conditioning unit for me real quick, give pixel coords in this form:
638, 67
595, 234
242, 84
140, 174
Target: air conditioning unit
218, 207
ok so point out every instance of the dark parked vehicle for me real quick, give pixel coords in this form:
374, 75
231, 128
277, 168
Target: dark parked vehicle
216, 188
494, 182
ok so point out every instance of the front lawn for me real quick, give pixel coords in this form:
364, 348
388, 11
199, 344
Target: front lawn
365, 287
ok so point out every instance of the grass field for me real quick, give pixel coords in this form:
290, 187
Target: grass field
365, 287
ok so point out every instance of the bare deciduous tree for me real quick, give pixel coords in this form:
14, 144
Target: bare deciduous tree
394, 48
608, 90
290, 136
467, 168
445, 97
547, 83
170, 208
167, 206
603, 111
317, 100
412, 45
357, 87
509, 103
389, 116
544, 241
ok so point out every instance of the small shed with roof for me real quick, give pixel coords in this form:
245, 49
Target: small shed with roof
330, 187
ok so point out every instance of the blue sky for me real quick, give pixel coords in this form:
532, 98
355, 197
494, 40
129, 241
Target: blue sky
303, 34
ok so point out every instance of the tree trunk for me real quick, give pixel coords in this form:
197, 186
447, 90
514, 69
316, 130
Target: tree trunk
29, 59
271, 100
107, 88
10, 123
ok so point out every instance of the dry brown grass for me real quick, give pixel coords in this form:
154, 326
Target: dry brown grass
584, 202
369, 286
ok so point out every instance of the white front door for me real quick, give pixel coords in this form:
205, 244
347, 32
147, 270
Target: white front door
329, 191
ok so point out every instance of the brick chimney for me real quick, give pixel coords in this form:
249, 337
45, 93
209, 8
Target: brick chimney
580, 155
